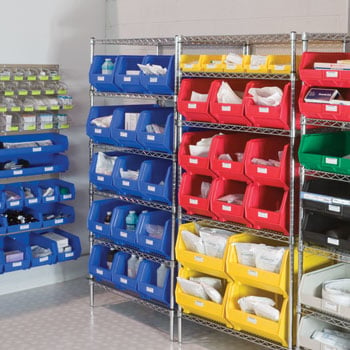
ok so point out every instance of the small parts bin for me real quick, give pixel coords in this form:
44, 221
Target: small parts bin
100, 262
190, 63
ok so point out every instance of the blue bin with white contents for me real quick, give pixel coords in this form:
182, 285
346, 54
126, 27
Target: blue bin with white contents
122, 231
31, 193
102, 82
126, 175
102, 169
124, 124
155, 180
154, 232
99, 130
49, 191
100, 263
163, 83
16, 254
54, 214
12, 196
28, 219
99, 221
18, 145
153, 288
155, 129
127, 74
65, 190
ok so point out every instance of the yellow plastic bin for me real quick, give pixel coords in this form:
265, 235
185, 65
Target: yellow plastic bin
281, 64
249, 67
190, 63
274, 330
200, 262
198, 306
235, 68
212, 63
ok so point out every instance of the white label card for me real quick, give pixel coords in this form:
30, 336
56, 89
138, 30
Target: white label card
99, 272
127, 79
263, 215
149, 290
199, 303
330, 306
151, 188
253, 273
252, 320
17, 264
37, 149
98, 227
192, 105
331, 74
101, 78
98, 131
149, 242
334, 208
226, 208
264, 109
58, 221
151, 137
14, 203
17, 172
43, 259
226, 108
100, 178
261, 170
123, 280
125, 183
69, 255
193, 161
123, 234
24, 227
226, 165
333, 241
198, 258
123, 134
333, 161
48, 168
194, 201
331, 108
33, 201
50, 199
153, 80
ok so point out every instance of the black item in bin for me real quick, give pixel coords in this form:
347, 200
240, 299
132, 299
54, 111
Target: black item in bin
326, 231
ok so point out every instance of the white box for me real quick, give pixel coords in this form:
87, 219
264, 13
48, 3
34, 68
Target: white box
130, 121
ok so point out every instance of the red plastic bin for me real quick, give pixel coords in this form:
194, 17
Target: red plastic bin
229, 144
195, 111
268, 207
195, 164
277, 117
228, 113
268, 148
190, 195
228, 211
324, 77
326, 111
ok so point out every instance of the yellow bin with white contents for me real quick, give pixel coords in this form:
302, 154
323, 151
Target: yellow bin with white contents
212, 63
235, 68
190, 63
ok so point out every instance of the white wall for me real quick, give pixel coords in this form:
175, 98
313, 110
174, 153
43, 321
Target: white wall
57, 32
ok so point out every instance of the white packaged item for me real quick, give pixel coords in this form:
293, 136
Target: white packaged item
210, 281
105, 164
155, 231
192, 242
152, 69
267, 96
214, 245
260, 161
130, 121
214, 231
226, 95
199, 151
192, 288
245, 253
131, 265
213, 294
334, 339
102, 122
266, 311
137, 264
205, 188
129, 174
225, 156
269, 258
239, 156
247, 303
233, 58
197, 97
29, 122
161, 275
337, 291
257, 60
235, 198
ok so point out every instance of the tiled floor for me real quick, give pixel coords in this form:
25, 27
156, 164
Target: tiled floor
59, 317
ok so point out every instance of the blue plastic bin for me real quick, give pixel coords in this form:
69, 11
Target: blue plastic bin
124, 185
151, 243
7, 244
97, 214
59, 144
63, 214
120, 134
152, 141
16, 196
96, 133
102, 82
63, 190
120, 234
159, 84
45, 164
155, 180
128, 82
33, 187
147, 283
98, 263
29, 225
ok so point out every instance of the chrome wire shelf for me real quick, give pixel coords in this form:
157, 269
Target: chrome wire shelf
328, 253
134, 200
327, 36
107, 148
327, 123
239, 334
127, 296
131, 95
327, 175
326, 317
136, 41
234, 227
224, 75
130, 250
234, 127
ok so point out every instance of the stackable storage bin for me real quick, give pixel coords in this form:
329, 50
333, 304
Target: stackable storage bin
14, 203
268, 148
249, 68
97, 214
155, 180
152, 243
147, 283
235, 68
10, 243
64, 214
120, 234
324, 77
29, 225
212, 63
159, 84
316, 227
190, 195
128, 82
228, 113
280, 64
190, 63
35, 190
328, 111
198, 306
63, 190
127, 186
326, 152
98, 263
225, 211
195, 164
240, 320
229, 144
97, 133
327, 197
103, 82
268, 207
119, 134
152, 141
193, 110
